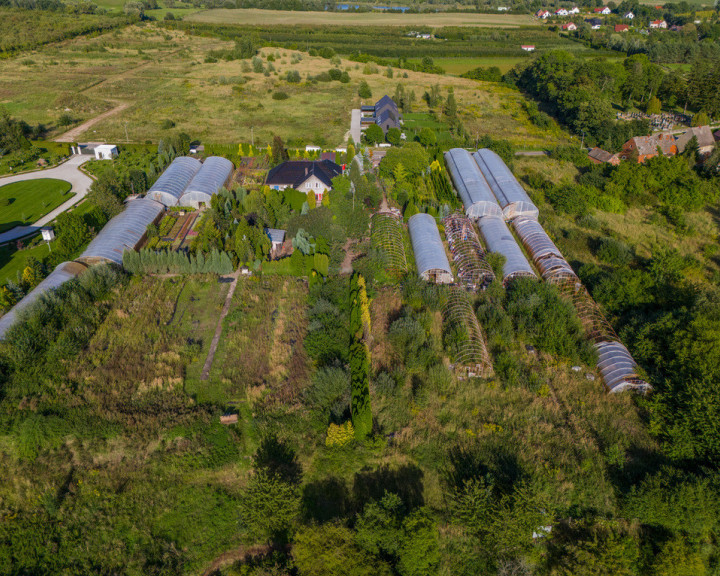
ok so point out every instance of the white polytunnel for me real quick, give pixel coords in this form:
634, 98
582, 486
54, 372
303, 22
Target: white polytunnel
122, 232
545, 254
500, 240
213, 175
473, 189
430, 257
511, 196
618, 369
62, 273
169, 188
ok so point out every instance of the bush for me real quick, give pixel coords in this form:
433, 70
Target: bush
280, 96
292, 77
335, 74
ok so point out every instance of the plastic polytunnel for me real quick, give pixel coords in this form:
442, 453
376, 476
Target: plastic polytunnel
473, 189
213, 175
618, 369
62, 273
430, 257
172, 183
500, 240
511, 196
547, 257
123, 232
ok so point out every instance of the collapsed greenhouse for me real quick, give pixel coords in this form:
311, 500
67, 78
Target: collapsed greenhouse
468, 254
511, 196
618, 369
499, 239
463, 334
123, 232
169, 188
386, 237
430, 257
212, 176
473, 189
62, 273
545, 255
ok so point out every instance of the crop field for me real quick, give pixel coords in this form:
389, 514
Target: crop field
24, 202
253, 16
162, 74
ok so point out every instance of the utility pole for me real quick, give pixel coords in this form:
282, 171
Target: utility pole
252, 136
126, 132
582, 144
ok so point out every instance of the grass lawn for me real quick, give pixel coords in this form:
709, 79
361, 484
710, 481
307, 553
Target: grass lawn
30, 200
255, 16
13, 261
458, 66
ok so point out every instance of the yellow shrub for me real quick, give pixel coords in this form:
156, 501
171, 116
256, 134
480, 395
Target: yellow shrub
340, 435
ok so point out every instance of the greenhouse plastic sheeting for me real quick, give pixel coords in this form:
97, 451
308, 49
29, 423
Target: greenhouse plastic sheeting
499, 239
213, 175
509, 193
172, 183
471, 185
430, 257
62, 273
618, 369
123, 232
546, 256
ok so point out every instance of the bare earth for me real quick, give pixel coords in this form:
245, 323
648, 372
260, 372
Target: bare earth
74, 134
252, 16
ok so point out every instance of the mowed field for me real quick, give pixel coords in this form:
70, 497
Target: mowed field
255, 16
27, 201
163, 74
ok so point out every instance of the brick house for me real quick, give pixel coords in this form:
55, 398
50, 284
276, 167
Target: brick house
644, 147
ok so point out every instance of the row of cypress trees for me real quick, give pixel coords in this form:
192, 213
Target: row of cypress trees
170, 262
360, 407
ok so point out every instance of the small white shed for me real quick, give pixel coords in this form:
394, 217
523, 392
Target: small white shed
105, 152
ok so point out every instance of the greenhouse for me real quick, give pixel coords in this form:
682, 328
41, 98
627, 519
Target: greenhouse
386, 237
430, 257
172, 183
62, 273
618, 369
213, 175
471, 185
464, 337
509, 193
499, 239
546, 256
123, 232
472, 268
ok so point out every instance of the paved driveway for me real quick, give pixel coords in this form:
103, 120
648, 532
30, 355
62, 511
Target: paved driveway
67, 171
356, 126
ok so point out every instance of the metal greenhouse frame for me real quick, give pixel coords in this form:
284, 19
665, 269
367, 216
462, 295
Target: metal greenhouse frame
386, 235
545, 255
172, 183
471, 185
511, 196
62, 273
213, 175
123, 232
472, 358
430, 257
498, 238
468, 254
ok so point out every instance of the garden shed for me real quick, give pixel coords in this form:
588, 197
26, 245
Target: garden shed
123, 232
430, 257
511, 196
473, 189
499, 239
62, 273
213, 175
172, 183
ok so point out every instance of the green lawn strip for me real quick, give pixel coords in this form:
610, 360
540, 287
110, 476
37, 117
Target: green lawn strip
13, 261
30, 200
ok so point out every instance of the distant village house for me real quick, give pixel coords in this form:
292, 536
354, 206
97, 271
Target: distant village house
600, 156
644, 147
705, 140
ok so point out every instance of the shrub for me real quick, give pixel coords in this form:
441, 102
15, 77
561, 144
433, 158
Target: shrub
280, 96
340, 435
335, 74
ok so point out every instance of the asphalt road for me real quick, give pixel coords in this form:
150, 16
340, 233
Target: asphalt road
67, 171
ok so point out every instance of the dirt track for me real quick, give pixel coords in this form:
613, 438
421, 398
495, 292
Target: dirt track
74, 134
